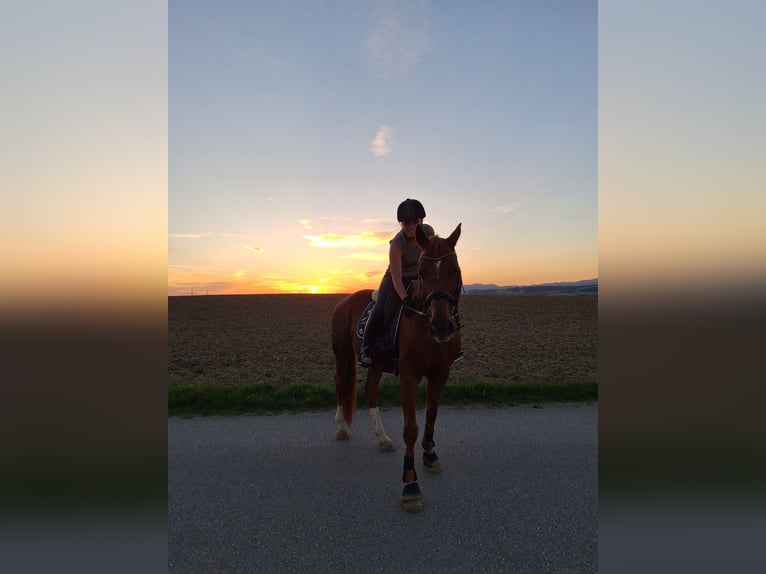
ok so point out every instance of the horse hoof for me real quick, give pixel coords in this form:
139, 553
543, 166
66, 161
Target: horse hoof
341, 434
386, 446
413, 506
412, 498
431, 462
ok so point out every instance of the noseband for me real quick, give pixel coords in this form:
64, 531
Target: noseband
437, 294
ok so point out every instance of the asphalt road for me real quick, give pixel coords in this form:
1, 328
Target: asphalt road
280, 494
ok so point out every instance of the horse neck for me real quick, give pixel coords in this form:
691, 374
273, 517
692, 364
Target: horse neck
416, 292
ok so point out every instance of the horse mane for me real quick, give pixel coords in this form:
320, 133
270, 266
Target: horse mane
427, 244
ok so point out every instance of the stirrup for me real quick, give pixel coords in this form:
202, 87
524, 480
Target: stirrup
366, 352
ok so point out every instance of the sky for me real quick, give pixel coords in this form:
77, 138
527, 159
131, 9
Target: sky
682, 181
100, 170
125, 130
112, 139
296, 128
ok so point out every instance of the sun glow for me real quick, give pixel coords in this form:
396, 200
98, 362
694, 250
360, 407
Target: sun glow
298, 279
365, 239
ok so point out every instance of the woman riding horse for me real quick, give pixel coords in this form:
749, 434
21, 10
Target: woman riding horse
403, 255
428, 344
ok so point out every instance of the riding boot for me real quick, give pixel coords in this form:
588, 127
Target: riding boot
366, 354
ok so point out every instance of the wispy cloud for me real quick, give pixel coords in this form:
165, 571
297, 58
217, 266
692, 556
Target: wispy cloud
376, 222
366, 256
399, 38
507, 208
365, 239
202, 235
306, 224
381, 143
185, 280
258, 250
190, 235
275, 283
190, 280
367, 275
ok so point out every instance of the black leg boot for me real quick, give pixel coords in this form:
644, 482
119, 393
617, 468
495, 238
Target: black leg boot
366, 354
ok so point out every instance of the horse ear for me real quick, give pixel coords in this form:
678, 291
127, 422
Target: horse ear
422, 238
452, 239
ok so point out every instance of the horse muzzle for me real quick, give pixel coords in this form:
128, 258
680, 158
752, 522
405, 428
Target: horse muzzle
442, 333
441, 313
443, 325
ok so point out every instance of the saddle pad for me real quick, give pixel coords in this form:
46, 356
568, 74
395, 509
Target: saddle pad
363, 319
389, 334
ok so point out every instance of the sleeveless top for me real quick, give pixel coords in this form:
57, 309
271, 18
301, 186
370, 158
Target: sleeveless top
410, 256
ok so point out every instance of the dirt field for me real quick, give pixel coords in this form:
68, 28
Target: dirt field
283, 339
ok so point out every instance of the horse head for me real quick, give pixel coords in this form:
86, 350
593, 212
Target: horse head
440, 283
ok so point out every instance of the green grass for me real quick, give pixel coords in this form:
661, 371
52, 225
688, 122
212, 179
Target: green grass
263, 398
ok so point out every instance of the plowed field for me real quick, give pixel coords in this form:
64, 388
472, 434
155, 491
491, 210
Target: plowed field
282, 339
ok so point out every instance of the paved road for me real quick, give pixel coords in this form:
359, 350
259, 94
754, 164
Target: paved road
279, 494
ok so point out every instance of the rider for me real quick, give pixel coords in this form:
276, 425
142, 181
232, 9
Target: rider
403, 255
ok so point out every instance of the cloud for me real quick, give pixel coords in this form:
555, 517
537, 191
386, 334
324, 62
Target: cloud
306, 224
367, 275
376, 222
504, 209
201, 235
381, 144
366, 256
274, 283
258, 250
191, 280
399, 38
352, 241
190, 235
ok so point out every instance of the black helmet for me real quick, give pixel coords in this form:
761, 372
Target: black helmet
410, 209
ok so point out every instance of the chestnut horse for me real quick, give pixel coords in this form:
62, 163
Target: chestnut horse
428, 344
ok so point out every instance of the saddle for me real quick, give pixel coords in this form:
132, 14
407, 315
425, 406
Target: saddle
388, 338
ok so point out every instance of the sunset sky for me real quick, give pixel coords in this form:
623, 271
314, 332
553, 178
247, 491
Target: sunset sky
295, 129
151, 148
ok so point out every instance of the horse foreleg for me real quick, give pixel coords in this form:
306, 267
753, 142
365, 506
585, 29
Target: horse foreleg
430, 460
384, 442
371, 390
411, 498
341, 428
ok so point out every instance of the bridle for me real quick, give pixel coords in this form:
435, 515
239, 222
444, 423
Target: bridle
438, 294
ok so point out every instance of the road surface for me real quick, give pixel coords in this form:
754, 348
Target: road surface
518, 493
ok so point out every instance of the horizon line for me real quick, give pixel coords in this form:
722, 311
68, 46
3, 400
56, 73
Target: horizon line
206, 293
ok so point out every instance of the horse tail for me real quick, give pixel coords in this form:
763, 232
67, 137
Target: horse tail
345, 362
345, 385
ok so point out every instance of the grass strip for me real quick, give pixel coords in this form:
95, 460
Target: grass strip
264, 398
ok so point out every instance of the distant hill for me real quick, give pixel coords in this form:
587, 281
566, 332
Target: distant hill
585, 287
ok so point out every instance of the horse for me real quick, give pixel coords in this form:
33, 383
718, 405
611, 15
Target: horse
428, 345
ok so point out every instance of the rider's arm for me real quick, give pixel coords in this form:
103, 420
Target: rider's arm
395, 265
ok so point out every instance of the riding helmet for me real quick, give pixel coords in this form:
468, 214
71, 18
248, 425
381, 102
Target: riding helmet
410, 209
